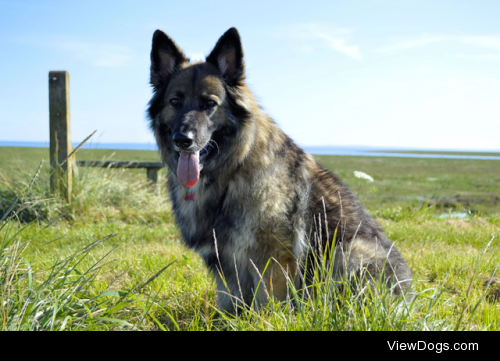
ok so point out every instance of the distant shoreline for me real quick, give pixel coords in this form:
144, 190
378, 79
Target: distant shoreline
319, 150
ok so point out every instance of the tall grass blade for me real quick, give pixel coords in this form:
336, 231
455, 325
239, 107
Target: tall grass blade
77, 148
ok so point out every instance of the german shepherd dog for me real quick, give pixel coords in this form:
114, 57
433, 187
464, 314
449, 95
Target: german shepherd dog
244, 195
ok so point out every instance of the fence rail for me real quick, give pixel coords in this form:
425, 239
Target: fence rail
152, 168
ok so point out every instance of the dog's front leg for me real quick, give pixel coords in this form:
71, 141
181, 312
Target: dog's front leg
225, 299
234, 290
274, 279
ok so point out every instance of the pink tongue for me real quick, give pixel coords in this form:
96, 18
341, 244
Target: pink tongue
188, 170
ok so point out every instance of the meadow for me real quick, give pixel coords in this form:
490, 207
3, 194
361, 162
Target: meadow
112, 259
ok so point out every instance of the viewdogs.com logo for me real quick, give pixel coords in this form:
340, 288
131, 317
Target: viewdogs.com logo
432, 346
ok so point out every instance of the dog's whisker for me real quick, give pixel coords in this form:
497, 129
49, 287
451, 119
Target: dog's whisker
213, 141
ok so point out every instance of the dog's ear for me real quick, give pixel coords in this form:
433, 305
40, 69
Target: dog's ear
227, 56
165, 58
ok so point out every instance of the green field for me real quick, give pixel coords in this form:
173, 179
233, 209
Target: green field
69, 275
441, 152
446, 183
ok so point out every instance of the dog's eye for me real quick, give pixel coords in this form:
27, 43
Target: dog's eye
210, 103
175, 102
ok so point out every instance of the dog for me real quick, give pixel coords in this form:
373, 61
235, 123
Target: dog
245, 197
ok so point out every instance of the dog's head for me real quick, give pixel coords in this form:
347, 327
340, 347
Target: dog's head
194, 112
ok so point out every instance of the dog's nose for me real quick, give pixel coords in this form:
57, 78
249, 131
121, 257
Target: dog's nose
183, 141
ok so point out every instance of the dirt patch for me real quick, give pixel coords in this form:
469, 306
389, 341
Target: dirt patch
463, 200
493, 294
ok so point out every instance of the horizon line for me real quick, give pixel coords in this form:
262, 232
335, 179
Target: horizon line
105, 145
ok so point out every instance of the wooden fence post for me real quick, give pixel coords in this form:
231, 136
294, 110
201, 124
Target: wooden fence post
153, 175
61, 179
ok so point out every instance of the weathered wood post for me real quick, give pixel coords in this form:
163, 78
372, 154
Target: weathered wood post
153, 175
61, 179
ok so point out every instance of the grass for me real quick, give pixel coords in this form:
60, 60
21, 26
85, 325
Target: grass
113, 259
405, 182
414, 182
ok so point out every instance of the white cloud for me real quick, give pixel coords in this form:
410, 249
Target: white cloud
416, 42
491, 43
339, 45
480, 57
333, 38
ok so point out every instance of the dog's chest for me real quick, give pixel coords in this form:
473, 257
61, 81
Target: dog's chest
205, 212
196, 211
189, 210
239, 216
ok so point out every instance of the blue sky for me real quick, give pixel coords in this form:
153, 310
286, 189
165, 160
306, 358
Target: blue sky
388, 73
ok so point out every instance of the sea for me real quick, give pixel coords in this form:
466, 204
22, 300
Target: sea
319, 150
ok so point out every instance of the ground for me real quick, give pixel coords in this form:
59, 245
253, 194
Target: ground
111, 284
